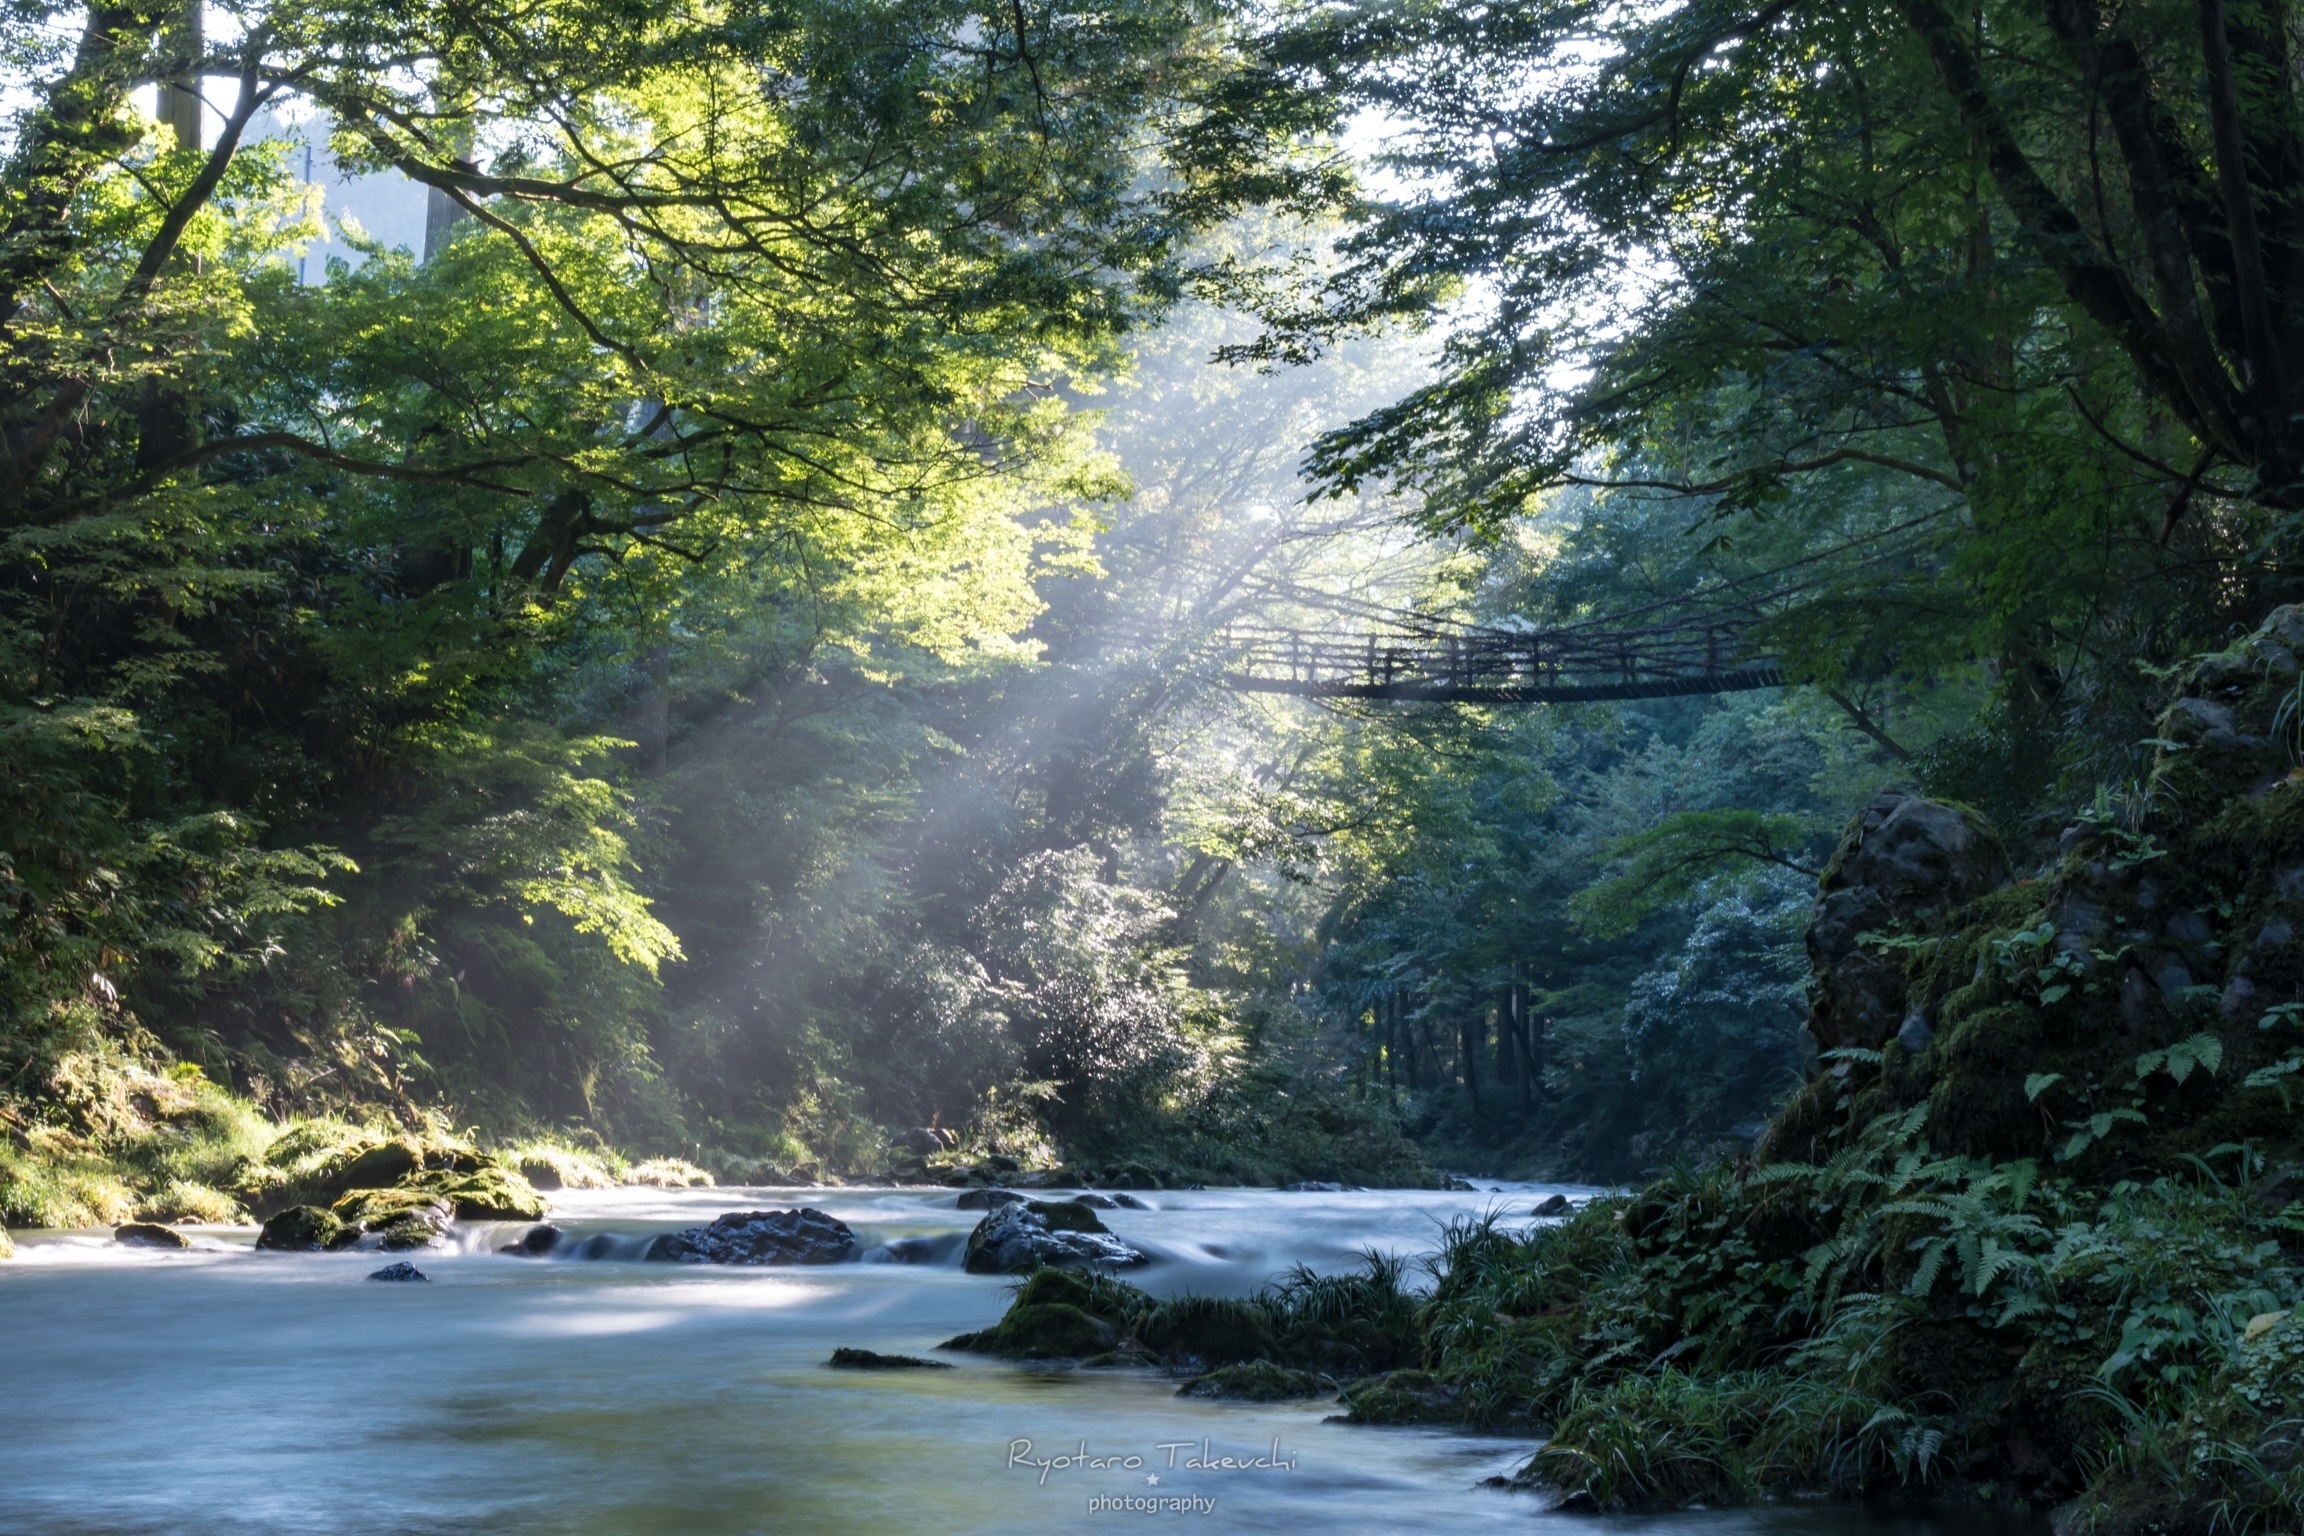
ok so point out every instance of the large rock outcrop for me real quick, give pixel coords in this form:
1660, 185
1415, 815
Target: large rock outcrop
1904, 865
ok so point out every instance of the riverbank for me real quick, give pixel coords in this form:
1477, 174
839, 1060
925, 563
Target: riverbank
618, 1398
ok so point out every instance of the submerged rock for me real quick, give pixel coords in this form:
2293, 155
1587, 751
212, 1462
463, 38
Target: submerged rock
804, 1236
1315, 1187
306, 1229
1096, 1202
1037, 1234
401, 1272
145, 1234
869, 1360
986, 1199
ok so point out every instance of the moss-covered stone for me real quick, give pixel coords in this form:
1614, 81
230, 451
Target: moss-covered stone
146, 1234
1259, 1381
1041, 1331
1050, 1313
1404, 1397
7, 1245
846, 1359
491, 1193
1208, 1331
306, 1229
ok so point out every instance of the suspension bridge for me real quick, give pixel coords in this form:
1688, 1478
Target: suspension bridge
1665, 649
1459, 664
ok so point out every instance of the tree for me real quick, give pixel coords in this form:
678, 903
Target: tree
2004, 295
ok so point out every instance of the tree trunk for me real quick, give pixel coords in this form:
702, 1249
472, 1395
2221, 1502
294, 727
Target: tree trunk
656, 710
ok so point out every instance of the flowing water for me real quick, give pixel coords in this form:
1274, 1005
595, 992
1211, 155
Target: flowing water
223, 1389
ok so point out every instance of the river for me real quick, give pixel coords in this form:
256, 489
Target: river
225, 1390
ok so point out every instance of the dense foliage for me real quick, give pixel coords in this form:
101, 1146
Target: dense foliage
717, 655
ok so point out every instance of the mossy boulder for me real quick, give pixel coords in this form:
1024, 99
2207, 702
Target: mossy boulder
146, 1234
320, 1162
1045, 1318
1258, 1381
1135, 1176
306, 1229
7, 1245
399, 1218
1404, 1397
1041, 1331
491, 1192
1205, 1332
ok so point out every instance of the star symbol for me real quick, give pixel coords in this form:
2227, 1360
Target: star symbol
1151, 1479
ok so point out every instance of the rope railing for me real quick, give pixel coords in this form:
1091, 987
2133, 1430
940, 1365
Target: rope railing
1492, 666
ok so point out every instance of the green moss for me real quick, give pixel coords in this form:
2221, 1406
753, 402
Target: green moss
1066, 1215
1209, 1331
491, 1193
1041, 1331
668, 1173
1258, 1381
1404, 1397
306, 1229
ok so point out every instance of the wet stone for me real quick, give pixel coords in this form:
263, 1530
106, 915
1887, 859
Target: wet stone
401, 1273
804, 1236
145, 1234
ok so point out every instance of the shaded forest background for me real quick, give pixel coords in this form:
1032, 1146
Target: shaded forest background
717, 655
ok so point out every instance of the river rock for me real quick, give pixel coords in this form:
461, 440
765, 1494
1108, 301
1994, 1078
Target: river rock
398, 1218
306, 1229
1035, 1234
1094, 1201
1903, 862
1551, 1205
804, 1236
401, 1273
928, 1248
535, 1243
986, 1199
146, 1234
7, 1245
493, 1193
871, 1360
1312, 1187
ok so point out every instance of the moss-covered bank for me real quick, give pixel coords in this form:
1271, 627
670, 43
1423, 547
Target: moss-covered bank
2032, 1235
